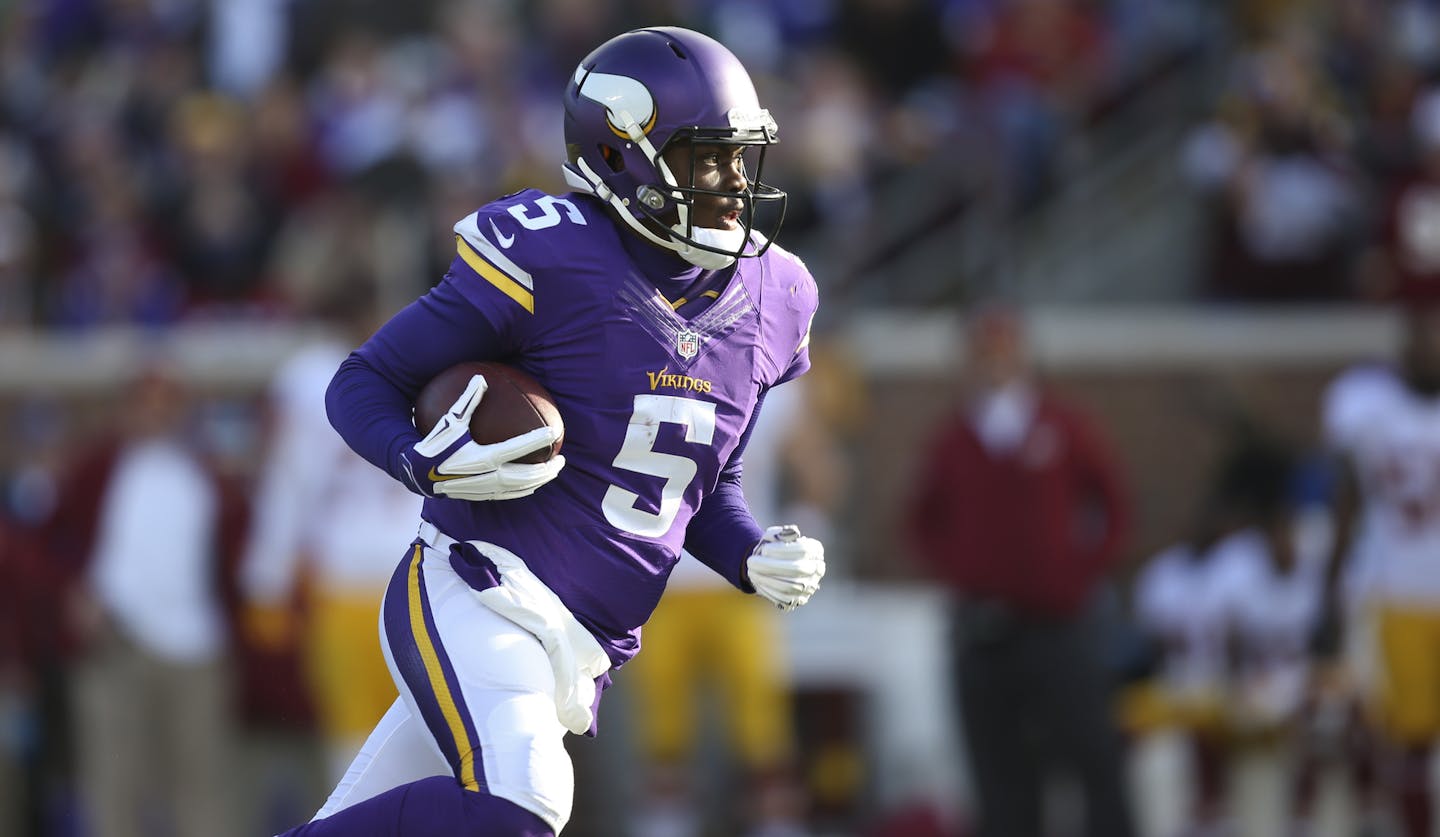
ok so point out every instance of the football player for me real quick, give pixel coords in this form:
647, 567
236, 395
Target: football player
1385, 422
653, 306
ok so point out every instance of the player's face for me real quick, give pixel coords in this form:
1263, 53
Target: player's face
714, 168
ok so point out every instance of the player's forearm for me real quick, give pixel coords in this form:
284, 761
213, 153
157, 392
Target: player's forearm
723, 533
272, 547
370, 399
371, 415
292, 476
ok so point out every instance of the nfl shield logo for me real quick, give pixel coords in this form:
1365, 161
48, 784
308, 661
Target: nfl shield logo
687, 343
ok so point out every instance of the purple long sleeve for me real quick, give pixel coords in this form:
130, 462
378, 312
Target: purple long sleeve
723, 532
369, 401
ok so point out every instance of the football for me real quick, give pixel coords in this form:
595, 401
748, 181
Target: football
514, 403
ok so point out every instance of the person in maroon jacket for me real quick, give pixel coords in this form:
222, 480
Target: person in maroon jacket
1019, 509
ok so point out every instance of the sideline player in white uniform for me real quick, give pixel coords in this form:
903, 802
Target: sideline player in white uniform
1234, 610
1173, 716
326, 521
1179, 604
1385, 422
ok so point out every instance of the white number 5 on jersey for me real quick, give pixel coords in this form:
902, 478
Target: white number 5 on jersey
638, 454
549, 215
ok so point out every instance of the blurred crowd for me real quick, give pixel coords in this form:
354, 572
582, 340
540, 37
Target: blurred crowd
177, 159
1319, 166
162, 161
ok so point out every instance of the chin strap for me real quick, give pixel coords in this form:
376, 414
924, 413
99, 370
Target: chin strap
579, 175
731, 240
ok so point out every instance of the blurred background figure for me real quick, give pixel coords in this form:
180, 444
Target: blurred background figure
1269, 576
1404, 262
710, 654
147, 533
1174, 716
1287, 198
1019, 509
1234, 732
1383, 422
16, 690
320, 551
38, 648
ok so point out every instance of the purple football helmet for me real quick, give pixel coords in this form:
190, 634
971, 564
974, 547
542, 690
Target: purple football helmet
638, 93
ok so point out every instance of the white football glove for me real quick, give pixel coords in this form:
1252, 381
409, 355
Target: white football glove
448, 463
786, 567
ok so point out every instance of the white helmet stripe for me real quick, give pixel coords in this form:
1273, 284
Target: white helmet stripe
622, 97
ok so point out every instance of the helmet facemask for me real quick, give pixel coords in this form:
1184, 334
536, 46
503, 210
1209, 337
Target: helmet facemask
673, 206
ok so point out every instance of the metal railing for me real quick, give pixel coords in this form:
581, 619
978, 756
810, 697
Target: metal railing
1120, 225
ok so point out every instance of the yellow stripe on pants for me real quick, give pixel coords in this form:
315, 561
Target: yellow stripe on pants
436, 674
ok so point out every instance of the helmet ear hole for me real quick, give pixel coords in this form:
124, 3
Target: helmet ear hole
613, 159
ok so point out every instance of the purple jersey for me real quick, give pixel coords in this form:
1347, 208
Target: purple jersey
656, 366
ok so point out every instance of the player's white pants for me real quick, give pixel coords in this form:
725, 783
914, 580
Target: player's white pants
477, 699
398, 751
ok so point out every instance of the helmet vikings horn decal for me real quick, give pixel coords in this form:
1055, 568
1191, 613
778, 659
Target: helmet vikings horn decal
620, 95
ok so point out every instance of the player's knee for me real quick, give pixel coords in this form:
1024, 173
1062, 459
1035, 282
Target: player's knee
493, 816
474, 813
529, 764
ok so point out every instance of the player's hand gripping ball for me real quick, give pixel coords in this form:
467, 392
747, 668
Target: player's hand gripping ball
492, 433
